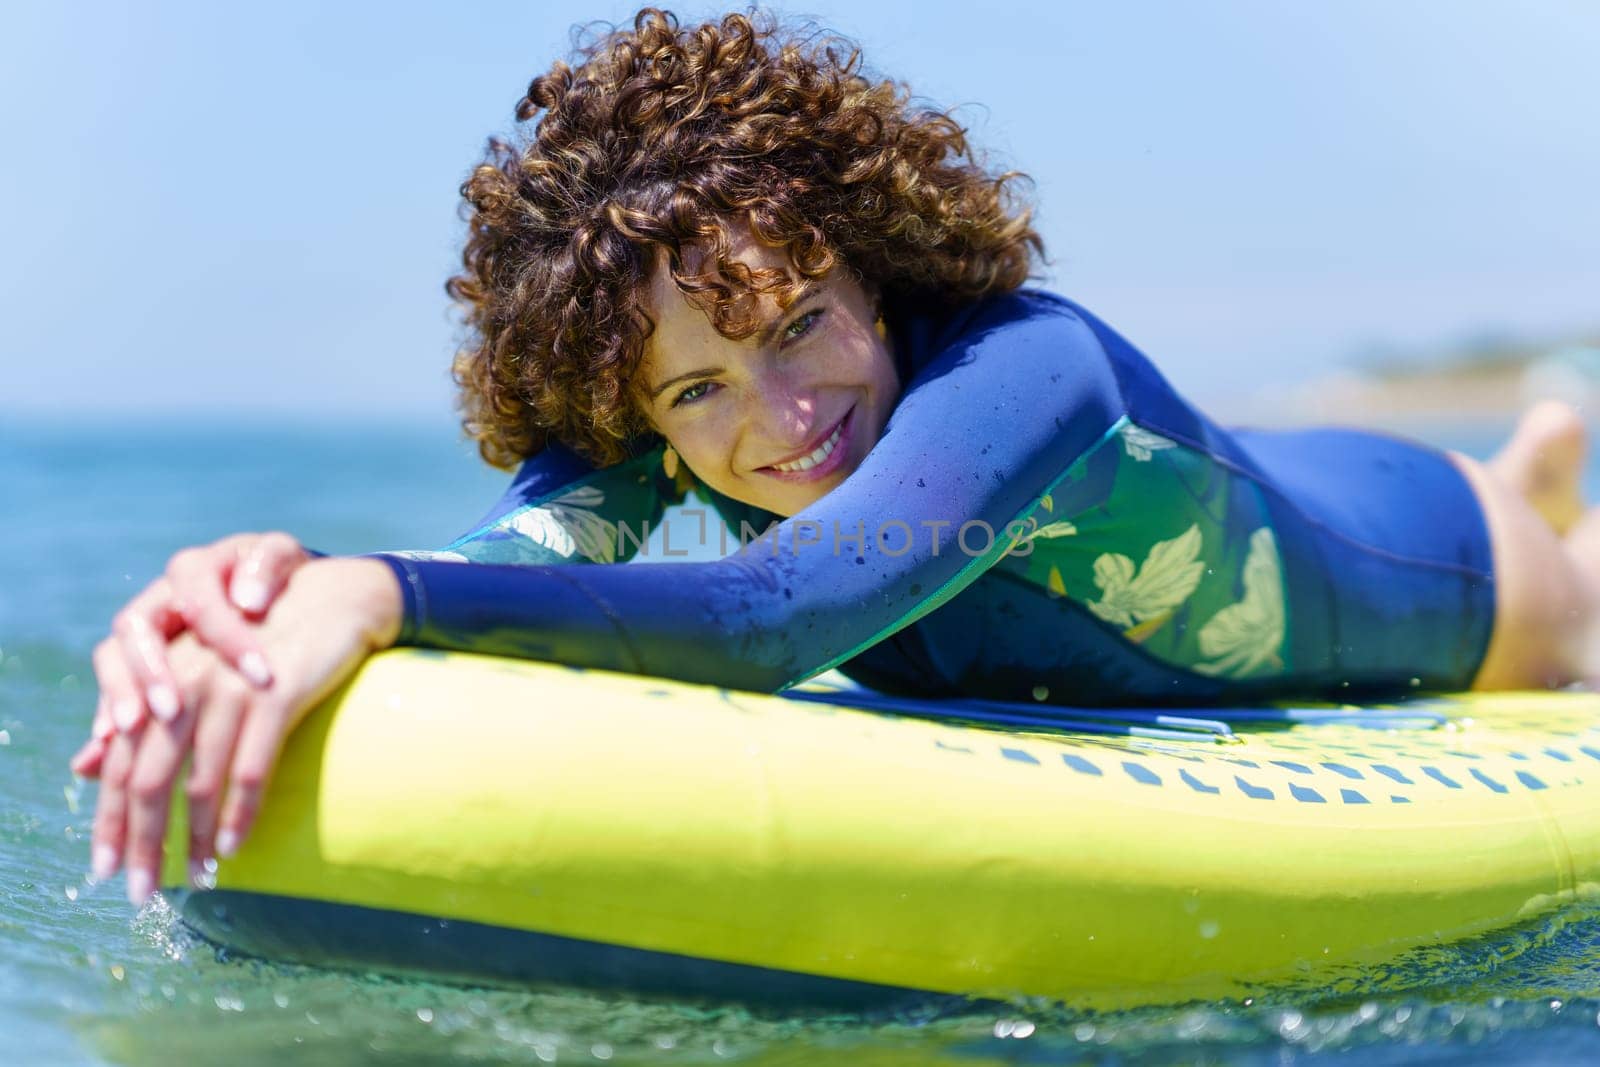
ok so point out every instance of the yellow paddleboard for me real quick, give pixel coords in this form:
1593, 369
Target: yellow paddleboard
498, 820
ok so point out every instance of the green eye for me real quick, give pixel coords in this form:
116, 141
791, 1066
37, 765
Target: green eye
807, 321
689, 396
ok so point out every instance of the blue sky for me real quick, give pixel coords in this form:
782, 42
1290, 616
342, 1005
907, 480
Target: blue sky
251, 209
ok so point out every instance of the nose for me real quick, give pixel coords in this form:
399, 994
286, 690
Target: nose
783, 411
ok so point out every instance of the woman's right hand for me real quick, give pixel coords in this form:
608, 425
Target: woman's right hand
331, 616
210, 591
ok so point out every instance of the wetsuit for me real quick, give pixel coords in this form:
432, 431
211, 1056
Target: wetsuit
1043, 518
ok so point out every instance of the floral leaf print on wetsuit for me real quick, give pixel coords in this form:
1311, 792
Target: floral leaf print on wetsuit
570, 525
1054, 529
1166, 579
1243, 638
1141, 444
1102, 548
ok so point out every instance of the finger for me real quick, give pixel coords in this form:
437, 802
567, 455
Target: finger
123, 697
197, 578
156, 765
260, 737
142, 628
88, 760
216, 732
111, 809
263, 570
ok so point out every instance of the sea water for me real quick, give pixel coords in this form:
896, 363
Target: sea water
92, 510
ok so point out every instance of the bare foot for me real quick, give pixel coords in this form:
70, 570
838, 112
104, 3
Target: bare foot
1543, 462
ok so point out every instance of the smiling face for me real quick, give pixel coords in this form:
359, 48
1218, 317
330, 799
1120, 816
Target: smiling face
782, 417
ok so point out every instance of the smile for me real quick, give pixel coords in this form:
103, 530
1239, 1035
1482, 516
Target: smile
805, 463
820, 461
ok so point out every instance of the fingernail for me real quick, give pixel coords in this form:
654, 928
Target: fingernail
249, 594
203, 873
163, 702
254, 667
103, 863
227, 843
141, 883
126, 713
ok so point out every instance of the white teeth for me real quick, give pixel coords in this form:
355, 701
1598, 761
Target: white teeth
805, 463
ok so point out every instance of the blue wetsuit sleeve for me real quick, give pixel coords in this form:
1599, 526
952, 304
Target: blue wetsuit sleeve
988, 424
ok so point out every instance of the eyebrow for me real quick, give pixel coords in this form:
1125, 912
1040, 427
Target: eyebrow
806, 290
664, 386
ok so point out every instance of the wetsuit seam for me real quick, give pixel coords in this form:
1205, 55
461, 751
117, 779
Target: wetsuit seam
1309, 520
606, 610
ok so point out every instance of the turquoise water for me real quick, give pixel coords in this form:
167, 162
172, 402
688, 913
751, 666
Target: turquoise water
91, 514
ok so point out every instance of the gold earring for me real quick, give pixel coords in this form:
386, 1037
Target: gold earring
669, 462
882, 328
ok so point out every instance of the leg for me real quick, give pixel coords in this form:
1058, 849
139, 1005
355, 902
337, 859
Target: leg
1547, 592
1543, 462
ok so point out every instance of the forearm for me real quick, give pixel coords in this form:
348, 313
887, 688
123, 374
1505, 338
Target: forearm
642, 621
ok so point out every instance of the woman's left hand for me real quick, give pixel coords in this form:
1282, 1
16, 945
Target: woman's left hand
329, 618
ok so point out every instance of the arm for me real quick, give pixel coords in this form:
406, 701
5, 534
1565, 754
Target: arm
1013, 392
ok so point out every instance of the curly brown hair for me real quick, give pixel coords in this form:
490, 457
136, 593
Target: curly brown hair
661, 140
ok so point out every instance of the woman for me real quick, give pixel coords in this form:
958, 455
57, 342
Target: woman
726, 258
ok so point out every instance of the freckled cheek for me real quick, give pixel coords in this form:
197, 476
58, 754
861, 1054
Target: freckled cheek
711, 447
